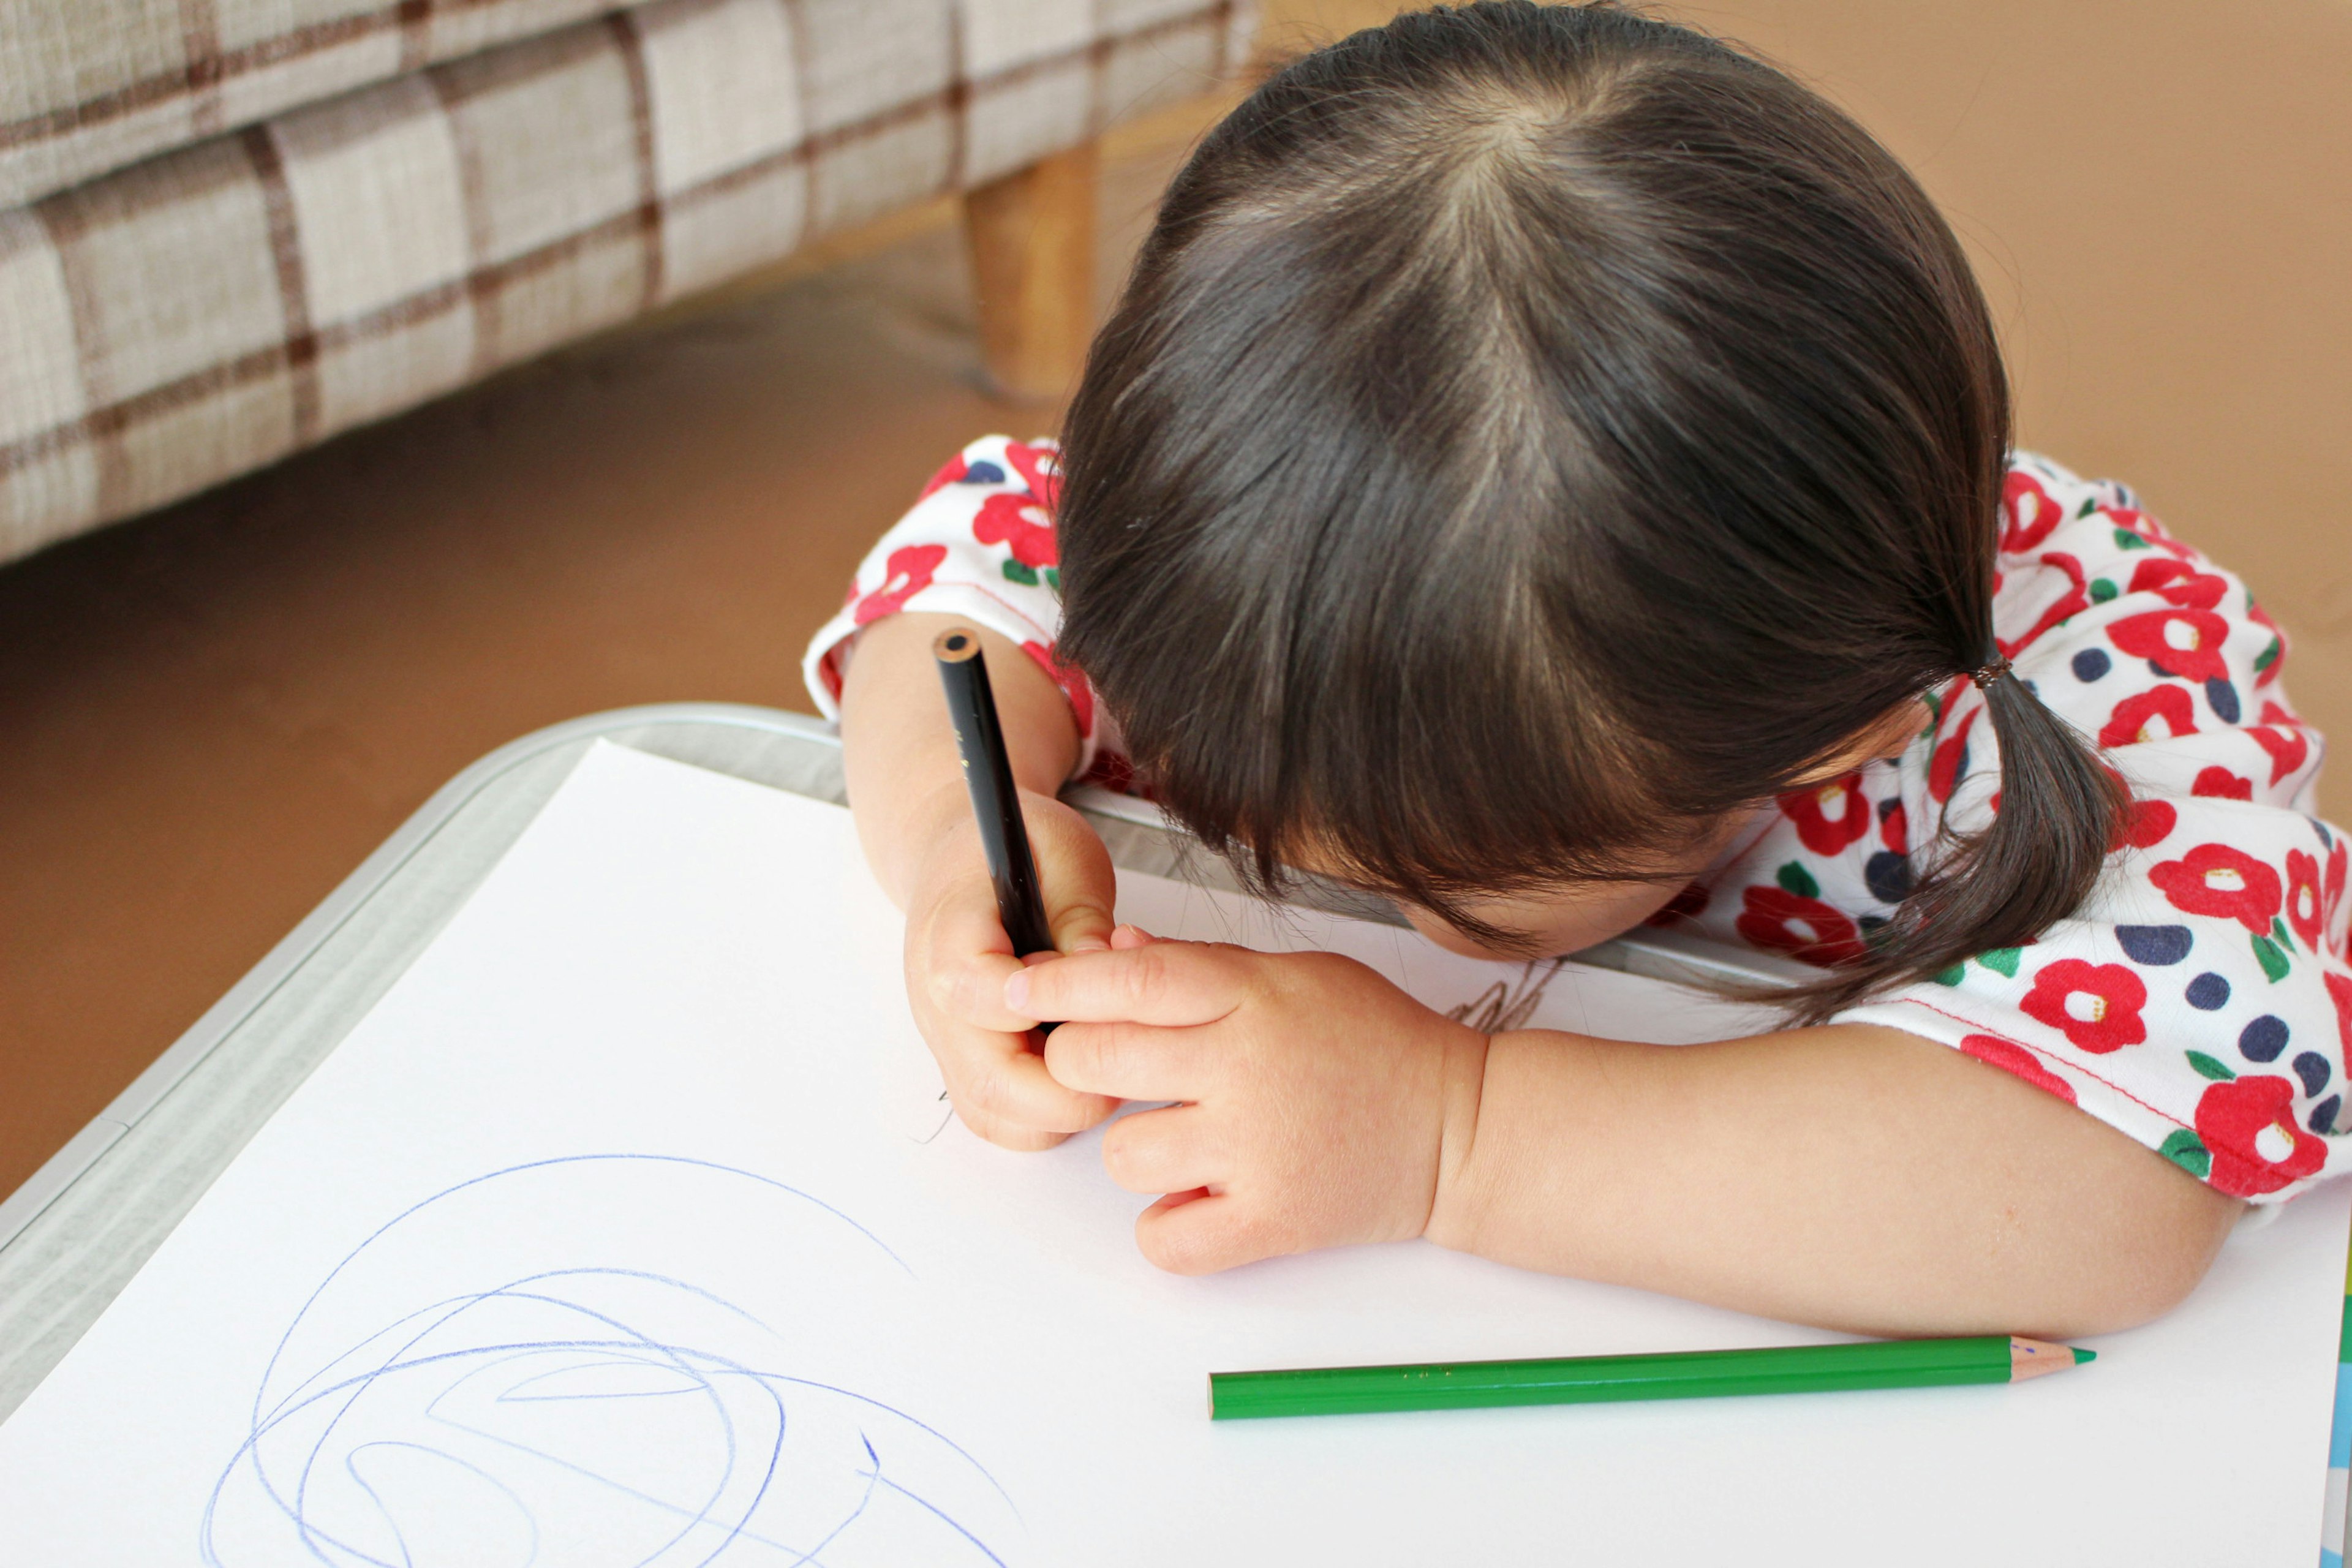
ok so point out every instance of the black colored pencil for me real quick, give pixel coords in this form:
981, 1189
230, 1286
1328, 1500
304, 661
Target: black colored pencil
988, 773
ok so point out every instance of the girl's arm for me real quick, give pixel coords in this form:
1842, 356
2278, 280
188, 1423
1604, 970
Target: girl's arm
1849, 1176
1852, 1176
916, 824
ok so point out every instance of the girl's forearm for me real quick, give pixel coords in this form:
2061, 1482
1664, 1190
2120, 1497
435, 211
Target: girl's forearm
1852, 1176
898, 749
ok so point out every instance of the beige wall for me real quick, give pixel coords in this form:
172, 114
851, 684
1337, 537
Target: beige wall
2159, 198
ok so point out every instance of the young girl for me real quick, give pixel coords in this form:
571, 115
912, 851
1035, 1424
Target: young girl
1553, 469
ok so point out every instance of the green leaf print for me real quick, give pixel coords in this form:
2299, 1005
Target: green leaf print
2268, 656
1795, 878
1952, 976
2102, 590
2273, 961
1054, 578
2188, 1151
2001, 961
2278, 935
2126, 540
2210, 1068
2090, 504
1016, 572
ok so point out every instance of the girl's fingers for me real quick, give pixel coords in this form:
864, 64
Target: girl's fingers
1171, 984
1074, 872
1170, 1151
1124, 938
1192, 1233
1001, 1086
1005, 1135
1127, 1061
971, 990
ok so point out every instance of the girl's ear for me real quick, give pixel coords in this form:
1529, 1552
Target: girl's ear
1887, 736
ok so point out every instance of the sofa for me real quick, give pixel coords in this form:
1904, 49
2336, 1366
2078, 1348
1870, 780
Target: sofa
230, 228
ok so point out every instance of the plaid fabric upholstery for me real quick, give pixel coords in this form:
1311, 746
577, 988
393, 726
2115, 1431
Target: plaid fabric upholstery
89, 86
205, 313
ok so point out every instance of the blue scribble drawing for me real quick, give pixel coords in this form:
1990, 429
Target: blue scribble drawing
600, 1400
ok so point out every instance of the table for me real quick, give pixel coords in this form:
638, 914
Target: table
74, 1234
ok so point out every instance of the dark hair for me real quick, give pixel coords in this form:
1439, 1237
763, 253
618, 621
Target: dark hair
1530, 432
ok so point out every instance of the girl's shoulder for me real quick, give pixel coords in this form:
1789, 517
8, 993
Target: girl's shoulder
2200, 1000
2159, 655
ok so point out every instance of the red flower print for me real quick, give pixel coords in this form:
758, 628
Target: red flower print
2339, 990
1803, 928
2065, 606
2305, 911
1016, 521
2186, 643
1829, 816
2215, 880
2016, 1059
2273, 660
950, 472
1686, 905
2249, 1125
1895, 827
906, 573
1951, 759
2095, 1005
2219, 784
2280, 733
1040, 467
2027, 513
2132, 521
2333, 897
1073, 684
1019, 523
2130, 723
2181, 583
2147, 823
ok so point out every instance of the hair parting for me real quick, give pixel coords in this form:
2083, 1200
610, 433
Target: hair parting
1531, 432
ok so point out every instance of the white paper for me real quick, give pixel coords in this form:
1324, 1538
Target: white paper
625, 1230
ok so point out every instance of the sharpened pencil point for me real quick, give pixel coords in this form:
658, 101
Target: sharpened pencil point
2082, 1355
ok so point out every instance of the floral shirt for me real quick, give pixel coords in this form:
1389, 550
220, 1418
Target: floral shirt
2200, 1000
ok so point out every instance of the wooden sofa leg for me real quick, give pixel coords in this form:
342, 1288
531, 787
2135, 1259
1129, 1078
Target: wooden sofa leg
1033, 260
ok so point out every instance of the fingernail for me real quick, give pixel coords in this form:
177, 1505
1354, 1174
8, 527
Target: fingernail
1090, 944
1017, 990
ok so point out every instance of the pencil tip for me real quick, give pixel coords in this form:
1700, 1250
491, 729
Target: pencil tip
2082, 1355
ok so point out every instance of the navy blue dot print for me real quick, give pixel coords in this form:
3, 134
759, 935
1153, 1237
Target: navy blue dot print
982, 474
2091, 663
2263, 1039
2223, 699
2156, 945
1888, 872
2313, 1068
2158, 671
2323, 1115
2208, 993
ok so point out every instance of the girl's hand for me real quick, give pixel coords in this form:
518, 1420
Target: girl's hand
959, 958
914, 818
1319, 1103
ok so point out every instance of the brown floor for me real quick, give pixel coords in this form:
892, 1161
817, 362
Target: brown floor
208, 716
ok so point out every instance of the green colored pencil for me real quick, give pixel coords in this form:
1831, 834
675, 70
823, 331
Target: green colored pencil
1590, 1380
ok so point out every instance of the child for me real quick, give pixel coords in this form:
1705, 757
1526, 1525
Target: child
1553, 469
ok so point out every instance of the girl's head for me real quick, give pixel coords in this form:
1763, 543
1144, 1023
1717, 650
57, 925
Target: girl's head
1531, 437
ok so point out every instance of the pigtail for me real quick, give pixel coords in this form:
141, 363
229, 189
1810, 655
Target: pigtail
2060, 814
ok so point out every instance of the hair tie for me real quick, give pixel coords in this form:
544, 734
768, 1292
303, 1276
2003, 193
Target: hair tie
1984, 675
